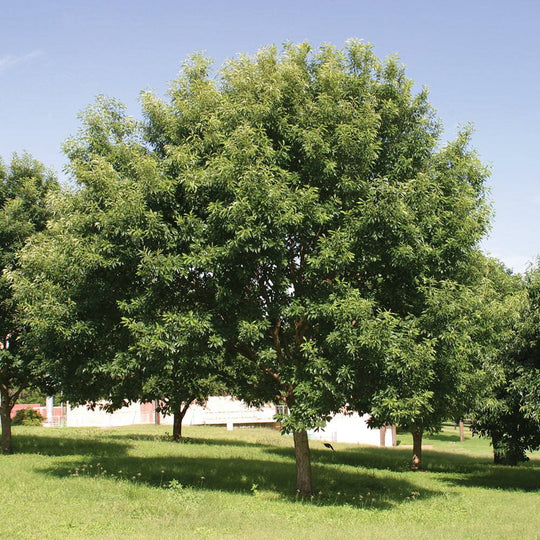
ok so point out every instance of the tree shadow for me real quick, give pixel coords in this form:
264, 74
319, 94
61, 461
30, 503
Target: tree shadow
249, 476
394, 459
167, 437
68, 446
345, 477
399, 460
521, 478
444, 437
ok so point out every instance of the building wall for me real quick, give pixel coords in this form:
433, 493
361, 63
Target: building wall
219, 410
225, 410
81, 416
351, 428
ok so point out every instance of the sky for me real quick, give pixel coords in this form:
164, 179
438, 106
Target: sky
480, 60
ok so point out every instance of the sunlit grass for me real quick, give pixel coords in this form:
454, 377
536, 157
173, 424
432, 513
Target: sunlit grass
134, 482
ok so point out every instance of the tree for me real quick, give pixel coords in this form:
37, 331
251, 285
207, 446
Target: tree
99, 286
436, 370
324, 209
423, 233
24, 186
508, 412
181, 359
286, 212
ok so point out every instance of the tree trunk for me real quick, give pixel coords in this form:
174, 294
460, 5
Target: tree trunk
382, 436
178, 416
177, 426
157, 414
417, 450
303, 463
461, 431
498, 454
394, 435
5, 414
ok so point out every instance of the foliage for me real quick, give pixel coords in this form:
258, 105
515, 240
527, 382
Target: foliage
24, 187
437, 369
28, 417
100, 288
36, 396
282, 225
320, 197
509, 412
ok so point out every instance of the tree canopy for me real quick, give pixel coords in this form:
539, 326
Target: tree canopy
24, 187
326, 214
508, 412
288, 225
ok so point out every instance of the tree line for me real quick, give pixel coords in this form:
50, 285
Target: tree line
289, 229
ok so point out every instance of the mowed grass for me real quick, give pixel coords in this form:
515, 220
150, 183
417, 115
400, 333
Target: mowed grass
135, 483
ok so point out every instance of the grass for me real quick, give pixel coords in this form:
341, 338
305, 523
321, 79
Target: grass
135, 483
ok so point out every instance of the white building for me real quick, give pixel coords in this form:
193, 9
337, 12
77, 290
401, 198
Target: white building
228, 411
353, 428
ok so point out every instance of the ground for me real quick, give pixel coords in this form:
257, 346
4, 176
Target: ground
135, 483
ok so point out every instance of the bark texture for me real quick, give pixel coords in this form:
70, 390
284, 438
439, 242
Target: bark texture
417, 450
5, 414
178, 416
461, 431
382, 435
303, 463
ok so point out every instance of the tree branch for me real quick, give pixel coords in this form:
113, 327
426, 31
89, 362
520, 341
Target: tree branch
300, 328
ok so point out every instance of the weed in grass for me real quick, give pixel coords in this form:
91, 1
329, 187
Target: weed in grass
187, 496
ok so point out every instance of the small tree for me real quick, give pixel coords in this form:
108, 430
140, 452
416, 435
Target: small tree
100, 287
435, 372
508, 412
179, 359
24, 186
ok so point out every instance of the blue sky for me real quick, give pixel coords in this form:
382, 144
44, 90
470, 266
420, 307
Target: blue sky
480, 59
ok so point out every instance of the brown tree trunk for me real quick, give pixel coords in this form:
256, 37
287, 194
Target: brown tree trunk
303, 463
382, 436
5, 414
394, 435
461, 431
157, 414
417, 450
178, 416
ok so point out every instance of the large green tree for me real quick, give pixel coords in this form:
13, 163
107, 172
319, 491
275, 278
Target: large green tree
326, 214
24, 186
288, 212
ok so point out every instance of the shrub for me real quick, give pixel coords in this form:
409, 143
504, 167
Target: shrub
28, 417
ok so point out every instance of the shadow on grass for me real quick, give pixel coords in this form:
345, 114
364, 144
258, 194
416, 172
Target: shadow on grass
444, 437
333, 486
68, 446
167, 437
108, 456
521, 478
393, 459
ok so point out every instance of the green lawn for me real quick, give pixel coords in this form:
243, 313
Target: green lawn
135, 483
